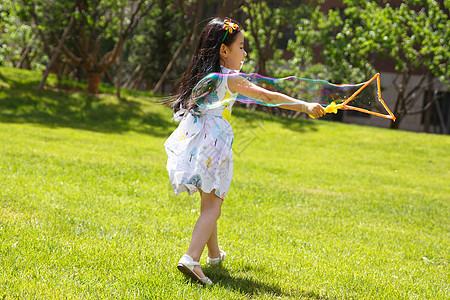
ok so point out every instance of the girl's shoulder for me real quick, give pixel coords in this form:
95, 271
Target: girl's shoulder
220, 82
237, 83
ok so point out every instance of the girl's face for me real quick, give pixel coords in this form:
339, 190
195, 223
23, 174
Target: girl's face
232, 57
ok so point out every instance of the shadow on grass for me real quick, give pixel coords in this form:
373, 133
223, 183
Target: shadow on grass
19, 103
252, 287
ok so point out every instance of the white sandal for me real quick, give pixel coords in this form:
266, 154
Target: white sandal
186, 266
218, 260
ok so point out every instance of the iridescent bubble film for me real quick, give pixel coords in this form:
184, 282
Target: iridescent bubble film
364, 97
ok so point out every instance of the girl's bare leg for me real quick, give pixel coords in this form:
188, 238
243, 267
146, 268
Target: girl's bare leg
206, 225
212, 243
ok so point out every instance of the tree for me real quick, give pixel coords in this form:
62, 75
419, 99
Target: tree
154, 41
266, 22
97, 36
415, 35
196, 9
19, 46
55, 54
265, 25
190, 14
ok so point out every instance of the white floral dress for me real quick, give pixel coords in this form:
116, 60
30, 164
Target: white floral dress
199, 150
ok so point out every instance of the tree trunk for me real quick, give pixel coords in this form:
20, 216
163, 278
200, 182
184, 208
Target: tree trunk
171, 63
427, 112
441, 118
137, 83
94, 79
397, 113
428, 105
88, 56
189, 37
37, 27
119, 69
127, 84
261, 67
25, 53
225, 9
396, 123
110, 78
55, 54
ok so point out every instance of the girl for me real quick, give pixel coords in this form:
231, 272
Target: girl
199, 150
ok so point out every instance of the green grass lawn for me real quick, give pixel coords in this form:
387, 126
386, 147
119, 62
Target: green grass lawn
317, 210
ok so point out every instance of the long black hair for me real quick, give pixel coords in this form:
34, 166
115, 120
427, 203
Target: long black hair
205, 60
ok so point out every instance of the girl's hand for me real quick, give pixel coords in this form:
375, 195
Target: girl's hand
315, 110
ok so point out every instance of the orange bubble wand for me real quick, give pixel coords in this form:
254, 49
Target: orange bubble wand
333, 107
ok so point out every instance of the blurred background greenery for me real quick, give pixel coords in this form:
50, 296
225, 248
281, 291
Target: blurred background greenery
146, 44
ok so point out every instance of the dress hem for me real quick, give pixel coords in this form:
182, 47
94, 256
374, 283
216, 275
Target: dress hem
192, 189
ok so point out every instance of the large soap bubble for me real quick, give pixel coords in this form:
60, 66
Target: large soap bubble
363, 97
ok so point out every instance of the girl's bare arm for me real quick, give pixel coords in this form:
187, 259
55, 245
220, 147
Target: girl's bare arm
244, 87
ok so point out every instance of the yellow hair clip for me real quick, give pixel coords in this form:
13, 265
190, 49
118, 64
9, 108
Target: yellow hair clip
229, 27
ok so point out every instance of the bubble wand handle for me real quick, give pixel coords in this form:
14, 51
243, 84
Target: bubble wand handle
332, 108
